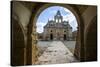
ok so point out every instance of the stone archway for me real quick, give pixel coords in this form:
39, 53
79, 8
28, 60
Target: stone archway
80, 24
31, 35
32, 30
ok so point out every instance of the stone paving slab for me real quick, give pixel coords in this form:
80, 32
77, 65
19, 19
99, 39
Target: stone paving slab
56, 53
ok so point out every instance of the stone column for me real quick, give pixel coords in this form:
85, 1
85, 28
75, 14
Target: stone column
34, 46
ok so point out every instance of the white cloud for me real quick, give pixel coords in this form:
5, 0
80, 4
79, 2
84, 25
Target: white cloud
40, 26
67, 10
71, 18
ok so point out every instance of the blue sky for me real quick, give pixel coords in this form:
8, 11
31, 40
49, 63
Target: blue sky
49, 13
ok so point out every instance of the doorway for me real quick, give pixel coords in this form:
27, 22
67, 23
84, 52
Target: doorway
64, 37
51, 36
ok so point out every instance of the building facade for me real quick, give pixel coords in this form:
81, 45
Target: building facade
57, 29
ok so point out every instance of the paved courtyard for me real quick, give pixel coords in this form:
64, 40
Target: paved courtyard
70, 45
54, 52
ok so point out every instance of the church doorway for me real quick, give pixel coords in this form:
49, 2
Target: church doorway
64, 37
51, 36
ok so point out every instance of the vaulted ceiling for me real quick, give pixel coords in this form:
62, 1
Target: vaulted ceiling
30, 5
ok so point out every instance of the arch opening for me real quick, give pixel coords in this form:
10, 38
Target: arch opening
56, 37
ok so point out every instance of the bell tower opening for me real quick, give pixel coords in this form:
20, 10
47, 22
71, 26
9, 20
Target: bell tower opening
58, 17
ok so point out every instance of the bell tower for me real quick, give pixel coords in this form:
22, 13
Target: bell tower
58, 18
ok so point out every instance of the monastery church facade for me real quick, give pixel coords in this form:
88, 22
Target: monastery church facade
57, 29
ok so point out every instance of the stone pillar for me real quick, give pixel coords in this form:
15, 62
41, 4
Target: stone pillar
34, 46
78, 46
